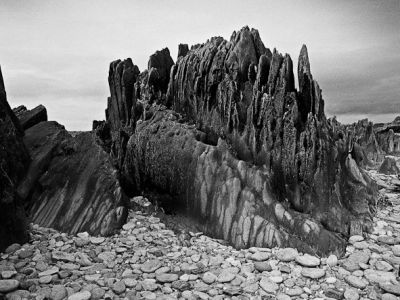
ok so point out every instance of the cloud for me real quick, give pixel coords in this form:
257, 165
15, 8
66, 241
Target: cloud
57, 52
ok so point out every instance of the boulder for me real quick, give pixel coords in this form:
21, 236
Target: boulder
71, 184
14, 159
29, 118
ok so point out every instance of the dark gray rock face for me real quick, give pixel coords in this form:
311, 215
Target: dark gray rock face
159, 67
71, 184
14, 159
29, 118
183, 49
255, 160
122, 77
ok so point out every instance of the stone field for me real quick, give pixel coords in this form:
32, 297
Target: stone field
148, 261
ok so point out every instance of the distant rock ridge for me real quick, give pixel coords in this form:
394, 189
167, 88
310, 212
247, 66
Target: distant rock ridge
376, 140
241, 149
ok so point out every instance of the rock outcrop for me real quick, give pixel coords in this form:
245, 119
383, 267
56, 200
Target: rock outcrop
389, 166
388, 136
29, 118
374, 141
242, 150
71, 184
14, 159
366, 143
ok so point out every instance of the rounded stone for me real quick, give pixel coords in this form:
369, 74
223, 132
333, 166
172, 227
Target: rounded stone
287, 254
307, 260
262, 266
351, 294
283, 297
332, 260
388, 296
97, 293
355, 281
313, 273
151, 266
209, 277
8, 285
45, 279
331, 280
268, 286
225, 276
355, 238
85, 295
58, 292
260, 256
166, 277
119, 287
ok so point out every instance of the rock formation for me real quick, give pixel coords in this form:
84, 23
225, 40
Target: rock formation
71, 184
389, 166
373, 141
366, 143
14, 159
240, 149
29, 118
388, 136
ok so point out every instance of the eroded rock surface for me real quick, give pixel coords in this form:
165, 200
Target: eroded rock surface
14, 159
71, 184
246, 152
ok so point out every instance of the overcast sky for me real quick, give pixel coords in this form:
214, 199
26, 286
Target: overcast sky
57, 53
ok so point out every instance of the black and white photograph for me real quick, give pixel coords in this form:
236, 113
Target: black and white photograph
214, 149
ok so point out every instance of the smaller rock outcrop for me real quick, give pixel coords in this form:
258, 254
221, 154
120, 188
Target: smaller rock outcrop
29, 118
366, 144
14, 159
389, 166
71, 184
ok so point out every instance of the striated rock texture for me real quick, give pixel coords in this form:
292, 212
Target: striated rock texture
14, 159
245, 152
71, 184
29, 118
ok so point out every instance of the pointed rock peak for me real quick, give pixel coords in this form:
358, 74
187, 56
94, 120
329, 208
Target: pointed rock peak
236, 35
304, 62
